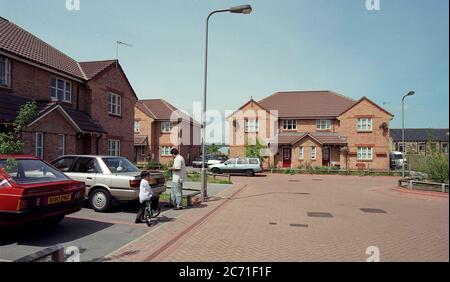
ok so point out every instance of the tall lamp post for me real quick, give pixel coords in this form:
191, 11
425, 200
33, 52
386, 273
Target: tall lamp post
244, 9
410, 93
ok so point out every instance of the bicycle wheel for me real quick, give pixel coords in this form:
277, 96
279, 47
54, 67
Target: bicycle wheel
156, 212
148, 216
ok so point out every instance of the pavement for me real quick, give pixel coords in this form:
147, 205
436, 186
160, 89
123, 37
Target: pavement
302, 218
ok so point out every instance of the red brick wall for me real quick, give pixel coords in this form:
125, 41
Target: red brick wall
378, 138
33, 82
51, 125
119, 128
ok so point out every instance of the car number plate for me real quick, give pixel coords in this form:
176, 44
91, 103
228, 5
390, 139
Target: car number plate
59, 199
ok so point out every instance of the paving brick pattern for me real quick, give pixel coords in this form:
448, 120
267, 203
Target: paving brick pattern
267, 220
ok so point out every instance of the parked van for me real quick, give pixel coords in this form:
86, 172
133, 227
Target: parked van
397, 159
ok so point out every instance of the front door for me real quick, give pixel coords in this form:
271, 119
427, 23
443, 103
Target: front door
287, 157
326, 156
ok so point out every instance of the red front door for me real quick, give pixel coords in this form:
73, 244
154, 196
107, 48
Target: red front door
287, 157
326, 156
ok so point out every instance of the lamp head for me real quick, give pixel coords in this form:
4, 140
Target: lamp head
244, 9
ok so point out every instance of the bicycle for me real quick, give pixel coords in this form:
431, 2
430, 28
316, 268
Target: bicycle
152, 210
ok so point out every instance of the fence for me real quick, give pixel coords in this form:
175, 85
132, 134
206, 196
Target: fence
423, 185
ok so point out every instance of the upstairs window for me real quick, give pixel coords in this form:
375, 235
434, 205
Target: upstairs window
166, 127
289, 124
115, 104
61, 90
323, 124
5, 72
251, 125
364, 124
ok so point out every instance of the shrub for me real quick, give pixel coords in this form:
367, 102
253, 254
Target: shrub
435, 165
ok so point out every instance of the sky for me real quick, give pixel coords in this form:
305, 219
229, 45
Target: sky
284, 45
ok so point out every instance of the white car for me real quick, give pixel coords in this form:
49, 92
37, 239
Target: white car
108, 179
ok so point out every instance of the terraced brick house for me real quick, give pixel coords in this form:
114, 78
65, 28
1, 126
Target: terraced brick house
314, 128
420, 140
83, 107
159, 127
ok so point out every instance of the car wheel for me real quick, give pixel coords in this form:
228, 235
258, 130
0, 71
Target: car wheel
216, 171
100, 200
52, 221
249, 173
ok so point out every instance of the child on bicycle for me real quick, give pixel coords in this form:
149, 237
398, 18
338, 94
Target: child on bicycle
145, 195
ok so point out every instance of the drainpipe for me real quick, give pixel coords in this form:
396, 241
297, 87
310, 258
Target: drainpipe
78, 97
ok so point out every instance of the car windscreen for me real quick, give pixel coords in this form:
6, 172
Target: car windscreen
119, 165
396, 157
31, 171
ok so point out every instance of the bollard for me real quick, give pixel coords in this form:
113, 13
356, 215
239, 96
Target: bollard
411, 185
443, 188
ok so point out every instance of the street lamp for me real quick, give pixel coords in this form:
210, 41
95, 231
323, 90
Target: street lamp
410, 93
244, 9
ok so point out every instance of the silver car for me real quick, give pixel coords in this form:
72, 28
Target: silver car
247, 166
108, 179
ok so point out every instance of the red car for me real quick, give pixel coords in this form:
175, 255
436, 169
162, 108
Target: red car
32, 190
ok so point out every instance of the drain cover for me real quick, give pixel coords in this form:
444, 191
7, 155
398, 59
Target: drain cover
294, 180
366, 210
320, 214
273, 223
298, 225
317, 179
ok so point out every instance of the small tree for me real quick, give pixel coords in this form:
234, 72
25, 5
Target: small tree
254, 151
10, 142
213, 149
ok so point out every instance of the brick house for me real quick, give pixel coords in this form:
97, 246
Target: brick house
159, 127
420, 140
83, 107
314, 128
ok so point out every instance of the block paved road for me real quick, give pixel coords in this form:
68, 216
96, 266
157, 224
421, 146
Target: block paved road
271, 219
95, 234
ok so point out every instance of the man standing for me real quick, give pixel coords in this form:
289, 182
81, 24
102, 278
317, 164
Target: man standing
178, 178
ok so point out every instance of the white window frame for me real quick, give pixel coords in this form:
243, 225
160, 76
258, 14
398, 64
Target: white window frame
114, 104
313, 153
301, 153
137, 126
114, 148
166, 127
39, 137
364, 124
323, 124
5, 78
251, 125
61, 150
289, 124
67, 90
165, 151
365, 153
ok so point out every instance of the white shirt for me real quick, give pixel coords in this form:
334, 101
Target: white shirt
179, 175
145, 191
